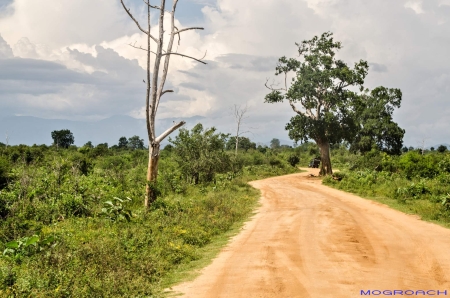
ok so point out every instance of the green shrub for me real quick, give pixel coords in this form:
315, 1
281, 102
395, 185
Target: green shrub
413, 164
293, 160
4, 171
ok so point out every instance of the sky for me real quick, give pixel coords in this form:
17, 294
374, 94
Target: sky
71, 59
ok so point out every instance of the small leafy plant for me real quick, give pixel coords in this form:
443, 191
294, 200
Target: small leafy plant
27, 246
116, 209
446, 202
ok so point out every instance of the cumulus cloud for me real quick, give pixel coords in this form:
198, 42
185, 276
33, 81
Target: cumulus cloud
5, 49
406, 43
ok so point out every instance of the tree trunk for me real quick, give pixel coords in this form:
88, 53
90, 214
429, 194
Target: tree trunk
325, 162
152, 174
237, 143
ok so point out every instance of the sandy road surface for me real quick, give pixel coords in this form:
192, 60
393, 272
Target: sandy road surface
308, 240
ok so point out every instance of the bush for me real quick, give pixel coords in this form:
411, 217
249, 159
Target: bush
414, 164
4, 172
293, 160
200, 153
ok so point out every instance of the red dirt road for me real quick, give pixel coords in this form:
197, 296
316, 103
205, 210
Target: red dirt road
309, 240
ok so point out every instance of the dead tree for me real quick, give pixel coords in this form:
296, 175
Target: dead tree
155, 83
239, 116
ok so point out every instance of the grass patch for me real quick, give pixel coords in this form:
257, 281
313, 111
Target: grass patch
422, 197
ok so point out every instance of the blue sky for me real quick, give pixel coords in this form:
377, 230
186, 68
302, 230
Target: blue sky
70, 59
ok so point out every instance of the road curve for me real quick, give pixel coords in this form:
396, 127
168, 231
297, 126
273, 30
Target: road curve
309, 240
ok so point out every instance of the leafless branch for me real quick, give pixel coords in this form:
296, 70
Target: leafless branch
186, 29
271, 86
137, 23
166, 91
179, 38
139, 48
239, 116
155, 6
169, 131
198, 60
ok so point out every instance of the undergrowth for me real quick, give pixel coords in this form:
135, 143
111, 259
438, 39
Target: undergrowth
413, 183
72, 222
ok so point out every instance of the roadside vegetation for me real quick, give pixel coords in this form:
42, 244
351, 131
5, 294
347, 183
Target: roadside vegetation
416, 181
72, 222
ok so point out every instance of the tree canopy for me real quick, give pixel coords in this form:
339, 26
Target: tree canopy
328, 108
123, 143
135, 143
275, 144
62, 138
244, 143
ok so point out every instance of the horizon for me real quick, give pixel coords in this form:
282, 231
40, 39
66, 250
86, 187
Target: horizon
88, 74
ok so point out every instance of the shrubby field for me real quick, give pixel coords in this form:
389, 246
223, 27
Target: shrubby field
72, 222
415, 182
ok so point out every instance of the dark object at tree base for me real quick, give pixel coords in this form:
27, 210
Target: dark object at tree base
315, 163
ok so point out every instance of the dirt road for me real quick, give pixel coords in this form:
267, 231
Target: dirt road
308, 240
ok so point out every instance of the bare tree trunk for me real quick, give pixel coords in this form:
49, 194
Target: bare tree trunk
325, 162
154, 93
152, 174
239, 116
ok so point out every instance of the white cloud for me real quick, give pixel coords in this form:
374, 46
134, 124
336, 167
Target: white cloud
406, 43
5, 49
416, 6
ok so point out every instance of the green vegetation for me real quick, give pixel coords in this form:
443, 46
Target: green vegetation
411, 182
72, 222
62, 138
327, 108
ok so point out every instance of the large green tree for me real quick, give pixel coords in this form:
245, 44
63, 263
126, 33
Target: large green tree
323, 96
375, 127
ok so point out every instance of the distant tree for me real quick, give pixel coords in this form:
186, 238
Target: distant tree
239, 116
405, 149
275, 143
262, 149
100, 149
432, 148
244, 143
7, 139
135, 143
168, 148
62, 138
88, 145
410, 148
442, 148
123, 143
